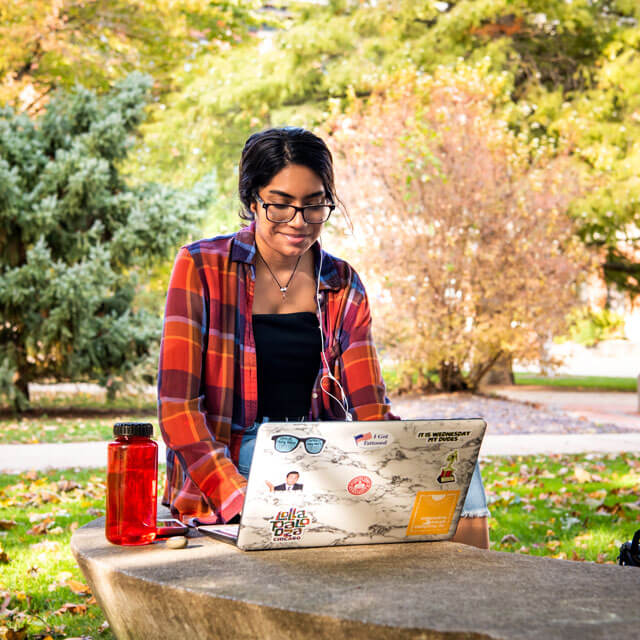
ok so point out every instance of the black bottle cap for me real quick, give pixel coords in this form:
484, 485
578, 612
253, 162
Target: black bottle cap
144, 429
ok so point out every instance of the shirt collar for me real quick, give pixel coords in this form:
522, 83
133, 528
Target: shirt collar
244, 250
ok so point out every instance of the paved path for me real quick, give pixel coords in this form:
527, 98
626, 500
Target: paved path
604, 407
523, 421
521, 411
16, 458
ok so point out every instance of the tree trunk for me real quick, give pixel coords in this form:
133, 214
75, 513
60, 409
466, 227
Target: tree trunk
501, 373
451, 378
21, 399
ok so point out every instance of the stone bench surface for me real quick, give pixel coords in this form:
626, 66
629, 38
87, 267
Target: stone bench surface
431, 591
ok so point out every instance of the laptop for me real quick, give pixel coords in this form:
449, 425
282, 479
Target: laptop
316, 484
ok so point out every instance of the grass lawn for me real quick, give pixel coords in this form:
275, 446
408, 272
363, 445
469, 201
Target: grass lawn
575, 507
591, 383
31, 430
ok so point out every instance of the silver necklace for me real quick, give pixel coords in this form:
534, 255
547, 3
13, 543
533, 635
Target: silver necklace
283, 290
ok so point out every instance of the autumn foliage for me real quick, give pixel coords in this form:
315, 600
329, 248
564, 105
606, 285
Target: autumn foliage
461, 229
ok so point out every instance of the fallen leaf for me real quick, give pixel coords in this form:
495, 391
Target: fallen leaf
41, 527
5, 603
92, 600
39, 517
582, 475
71, 607
67, 485
47, 545
509, 539
4, 558
78, 588
609, 509
5, 525
103, 627
13, 634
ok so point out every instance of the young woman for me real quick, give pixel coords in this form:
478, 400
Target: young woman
241, 343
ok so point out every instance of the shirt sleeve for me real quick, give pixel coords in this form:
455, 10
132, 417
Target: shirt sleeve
360, 371
180, 393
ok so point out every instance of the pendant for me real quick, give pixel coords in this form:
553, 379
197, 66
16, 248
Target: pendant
283, 290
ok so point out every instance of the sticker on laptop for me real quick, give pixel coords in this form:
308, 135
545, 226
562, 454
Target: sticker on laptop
291, 483
432, 513
442, 436
448, 473
372, 439
359, 485
287, 526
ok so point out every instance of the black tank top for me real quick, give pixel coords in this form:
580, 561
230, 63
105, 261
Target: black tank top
288, 358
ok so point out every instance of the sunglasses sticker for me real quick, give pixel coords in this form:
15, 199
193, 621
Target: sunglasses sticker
372, 440
287, 526
359, 485
448, 472
432, 513
285, 443
291, 483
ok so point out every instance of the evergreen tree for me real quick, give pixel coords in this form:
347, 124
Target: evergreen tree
75, 239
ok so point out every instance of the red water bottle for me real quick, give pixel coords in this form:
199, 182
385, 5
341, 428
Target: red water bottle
132, 473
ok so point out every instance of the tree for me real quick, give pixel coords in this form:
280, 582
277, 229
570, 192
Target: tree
572, 83
46, 45
75, 239
462, 230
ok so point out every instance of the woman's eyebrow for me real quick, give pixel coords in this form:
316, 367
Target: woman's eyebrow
284, 194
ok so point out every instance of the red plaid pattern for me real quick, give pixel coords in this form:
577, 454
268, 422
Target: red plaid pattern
207, 382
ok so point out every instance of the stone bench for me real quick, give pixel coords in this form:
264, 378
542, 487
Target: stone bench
431, 591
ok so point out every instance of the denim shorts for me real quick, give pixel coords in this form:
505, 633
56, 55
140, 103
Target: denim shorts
247, 445
475, 504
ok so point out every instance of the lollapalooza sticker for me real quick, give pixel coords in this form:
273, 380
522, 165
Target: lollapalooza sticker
371, 440
287, 526
359, 485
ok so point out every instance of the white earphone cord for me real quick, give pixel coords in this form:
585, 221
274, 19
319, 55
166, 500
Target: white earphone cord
344, 403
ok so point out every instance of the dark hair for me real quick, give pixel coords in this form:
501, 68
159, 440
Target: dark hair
292, 472
268, 152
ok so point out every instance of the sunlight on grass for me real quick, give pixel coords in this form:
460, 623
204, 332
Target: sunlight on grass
575, 507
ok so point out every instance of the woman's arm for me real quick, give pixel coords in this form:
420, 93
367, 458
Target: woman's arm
181, 408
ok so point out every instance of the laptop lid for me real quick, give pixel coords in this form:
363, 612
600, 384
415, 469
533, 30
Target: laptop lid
338, 483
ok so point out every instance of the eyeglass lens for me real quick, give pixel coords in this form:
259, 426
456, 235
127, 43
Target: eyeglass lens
286, 213
287, 443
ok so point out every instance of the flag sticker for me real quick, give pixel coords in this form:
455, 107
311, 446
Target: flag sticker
432, 513
371, 439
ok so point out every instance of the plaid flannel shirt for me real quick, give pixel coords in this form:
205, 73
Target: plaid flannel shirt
207, 382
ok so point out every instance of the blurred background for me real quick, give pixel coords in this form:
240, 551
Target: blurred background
487, 153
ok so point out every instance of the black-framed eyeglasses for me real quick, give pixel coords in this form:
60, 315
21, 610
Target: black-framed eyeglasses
311, 213
287, 443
